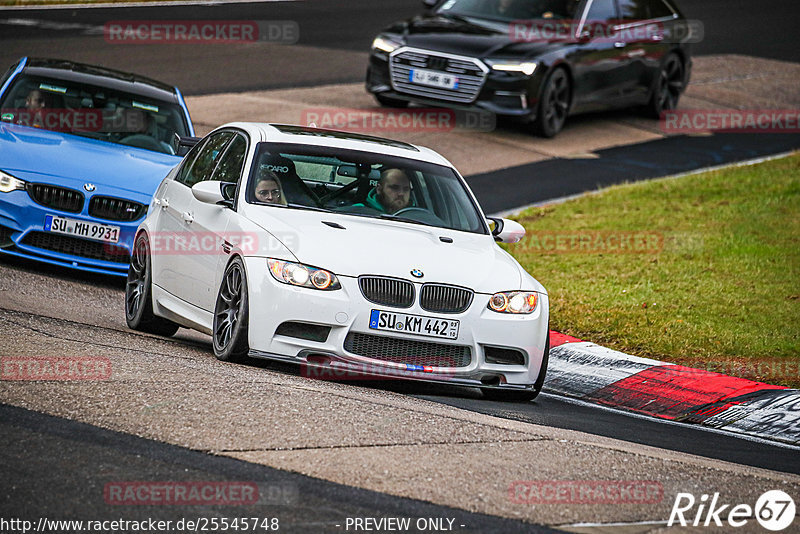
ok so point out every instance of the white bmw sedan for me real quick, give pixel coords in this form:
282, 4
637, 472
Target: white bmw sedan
348, 254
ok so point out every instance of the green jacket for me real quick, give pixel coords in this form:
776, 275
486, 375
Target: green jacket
373, 202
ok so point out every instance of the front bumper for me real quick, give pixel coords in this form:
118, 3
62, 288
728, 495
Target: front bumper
513, 95
23, 234
345, 312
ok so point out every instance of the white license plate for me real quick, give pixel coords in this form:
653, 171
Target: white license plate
434, 78
90, 230
413, 324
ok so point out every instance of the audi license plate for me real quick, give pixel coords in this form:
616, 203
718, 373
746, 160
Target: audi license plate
413, 324
434, 78
90, 230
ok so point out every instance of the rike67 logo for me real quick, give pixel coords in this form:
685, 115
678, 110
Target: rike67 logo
774, 511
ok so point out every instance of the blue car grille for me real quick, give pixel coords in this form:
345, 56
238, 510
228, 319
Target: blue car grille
115, 209
439, 298
77, 247
55, 197
387, 291
409, 351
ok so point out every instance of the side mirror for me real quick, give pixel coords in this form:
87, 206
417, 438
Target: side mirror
506, 230
182, 145
208, 192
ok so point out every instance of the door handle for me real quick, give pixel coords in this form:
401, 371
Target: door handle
619, 44
188, 217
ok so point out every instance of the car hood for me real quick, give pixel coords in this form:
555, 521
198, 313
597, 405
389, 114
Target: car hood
373, 246
469, 37
71, 161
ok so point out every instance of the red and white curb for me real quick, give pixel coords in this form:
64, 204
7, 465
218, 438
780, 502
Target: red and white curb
597, 374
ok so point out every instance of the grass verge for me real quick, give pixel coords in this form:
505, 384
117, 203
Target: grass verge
701, 270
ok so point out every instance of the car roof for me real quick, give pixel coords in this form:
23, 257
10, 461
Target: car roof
100, 76
306, 135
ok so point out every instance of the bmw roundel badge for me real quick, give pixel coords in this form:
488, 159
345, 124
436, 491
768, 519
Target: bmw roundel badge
89, 187
416, 273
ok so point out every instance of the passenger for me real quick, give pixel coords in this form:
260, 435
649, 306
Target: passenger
392, 193
269, 189
37, 100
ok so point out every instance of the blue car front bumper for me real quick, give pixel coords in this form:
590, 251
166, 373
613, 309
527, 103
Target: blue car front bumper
24, 233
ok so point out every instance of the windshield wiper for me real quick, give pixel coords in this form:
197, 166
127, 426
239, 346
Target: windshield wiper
404, 219
304, 207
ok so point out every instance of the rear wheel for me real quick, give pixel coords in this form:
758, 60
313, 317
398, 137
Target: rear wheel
554, 104
669, 87
231, 315
138, 294
522, 396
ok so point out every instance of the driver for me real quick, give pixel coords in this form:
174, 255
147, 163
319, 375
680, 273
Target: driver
392, 193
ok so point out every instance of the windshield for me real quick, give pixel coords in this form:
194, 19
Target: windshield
96, 112
362, 184
508, 10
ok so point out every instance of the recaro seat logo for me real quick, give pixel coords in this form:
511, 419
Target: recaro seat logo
277, 168
774, 510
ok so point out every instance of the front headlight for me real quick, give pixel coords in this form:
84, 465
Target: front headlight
297, 274
9, 183
384, 44
525, 67
513, 302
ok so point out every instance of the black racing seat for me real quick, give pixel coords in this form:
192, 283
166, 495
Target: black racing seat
295, 190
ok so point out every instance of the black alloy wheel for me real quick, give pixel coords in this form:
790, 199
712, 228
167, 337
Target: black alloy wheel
230, 328
554, 104
669, 87
138, 293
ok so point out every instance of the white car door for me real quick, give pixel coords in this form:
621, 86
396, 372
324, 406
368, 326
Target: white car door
175, 241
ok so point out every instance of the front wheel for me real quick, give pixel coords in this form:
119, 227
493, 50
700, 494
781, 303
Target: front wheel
138, 294
668, 88
553, 105
522, 396
231, 315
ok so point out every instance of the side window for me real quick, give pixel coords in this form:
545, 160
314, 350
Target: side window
659, 9
632, 10
188, 161
7, 74
229, 168
205, 162
601, 11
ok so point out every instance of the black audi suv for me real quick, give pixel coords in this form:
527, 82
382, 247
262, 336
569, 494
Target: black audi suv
536, 60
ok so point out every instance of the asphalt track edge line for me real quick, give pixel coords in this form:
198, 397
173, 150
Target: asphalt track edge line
561, 200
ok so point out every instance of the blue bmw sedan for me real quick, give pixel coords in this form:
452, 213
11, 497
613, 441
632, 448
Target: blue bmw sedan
82, 150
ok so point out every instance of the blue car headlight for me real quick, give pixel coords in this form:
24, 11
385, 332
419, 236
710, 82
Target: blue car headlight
10, 183
297, 274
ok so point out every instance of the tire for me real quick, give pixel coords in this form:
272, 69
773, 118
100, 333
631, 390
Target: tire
389, 102
668, 87
231, 315
522, 396
553, 105
138, 293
